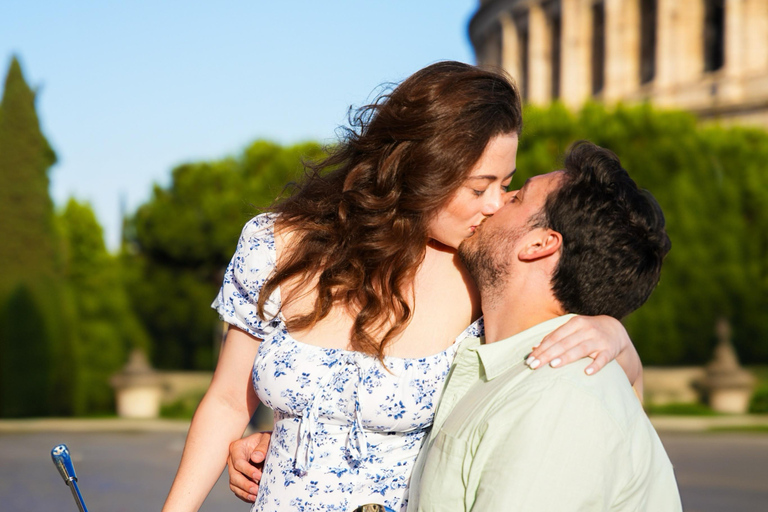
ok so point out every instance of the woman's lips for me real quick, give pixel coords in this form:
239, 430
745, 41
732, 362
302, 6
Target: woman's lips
474, 229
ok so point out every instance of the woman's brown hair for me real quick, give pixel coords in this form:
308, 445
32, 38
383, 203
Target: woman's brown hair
359, 220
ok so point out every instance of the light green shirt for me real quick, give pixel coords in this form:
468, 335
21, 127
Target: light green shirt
507, 438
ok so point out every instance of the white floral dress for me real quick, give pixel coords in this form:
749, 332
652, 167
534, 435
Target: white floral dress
347, 431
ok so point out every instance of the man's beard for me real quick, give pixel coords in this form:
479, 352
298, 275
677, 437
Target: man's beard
487, 257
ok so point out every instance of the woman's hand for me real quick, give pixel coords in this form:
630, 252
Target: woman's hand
603, 338
245, 464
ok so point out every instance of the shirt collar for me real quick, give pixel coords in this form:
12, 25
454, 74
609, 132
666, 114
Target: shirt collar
470, 343
500, 356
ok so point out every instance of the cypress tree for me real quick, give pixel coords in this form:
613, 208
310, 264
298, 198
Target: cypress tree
35, 328
28, 249
26, 362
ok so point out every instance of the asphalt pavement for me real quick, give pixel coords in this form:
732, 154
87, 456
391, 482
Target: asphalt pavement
117, 471
132, 469
719, 471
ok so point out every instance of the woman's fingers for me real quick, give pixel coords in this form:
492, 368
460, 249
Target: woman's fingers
578, 338
556, 344
601, 359
561, 354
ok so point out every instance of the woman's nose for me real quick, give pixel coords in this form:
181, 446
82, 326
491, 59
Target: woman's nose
495, 202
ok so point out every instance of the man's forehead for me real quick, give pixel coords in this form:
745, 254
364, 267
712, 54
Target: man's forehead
543, 181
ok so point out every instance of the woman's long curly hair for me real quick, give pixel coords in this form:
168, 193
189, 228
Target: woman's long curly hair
360, 218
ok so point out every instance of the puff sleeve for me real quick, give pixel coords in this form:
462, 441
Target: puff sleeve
252, 264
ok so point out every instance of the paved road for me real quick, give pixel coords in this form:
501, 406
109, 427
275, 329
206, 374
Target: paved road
720, 472
132, 471
117, 472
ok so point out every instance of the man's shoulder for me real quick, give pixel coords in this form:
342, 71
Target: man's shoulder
610, 377
609, 389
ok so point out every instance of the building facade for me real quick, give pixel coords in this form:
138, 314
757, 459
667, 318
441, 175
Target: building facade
706, 56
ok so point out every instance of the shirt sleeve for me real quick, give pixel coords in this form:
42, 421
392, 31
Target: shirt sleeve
560, 450
252, 264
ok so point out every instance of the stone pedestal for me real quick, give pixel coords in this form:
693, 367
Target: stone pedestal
138, 388
729, 387
731, 401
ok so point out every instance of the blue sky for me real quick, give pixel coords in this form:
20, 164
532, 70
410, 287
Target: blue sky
128, 90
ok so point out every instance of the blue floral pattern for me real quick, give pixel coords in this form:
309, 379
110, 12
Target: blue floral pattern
347, 429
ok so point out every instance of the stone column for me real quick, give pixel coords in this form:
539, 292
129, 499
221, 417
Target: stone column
575, 76
622, 48
755, 57
510, 47
730, 89
690, 59
665, 40
539, 62
492, 47
679, 46
734, 37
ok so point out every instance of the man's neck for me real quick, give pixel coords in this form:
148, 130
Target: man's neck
507, 314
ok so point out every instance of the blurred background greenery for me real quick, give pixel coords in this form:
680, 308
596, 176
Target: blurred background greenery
70, 311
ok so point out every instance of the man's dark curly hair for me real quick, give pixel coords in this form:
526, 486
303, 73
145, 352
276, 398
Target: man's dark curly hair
613, 235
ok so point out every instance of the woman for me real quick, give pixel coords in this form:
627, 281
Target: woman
347, 301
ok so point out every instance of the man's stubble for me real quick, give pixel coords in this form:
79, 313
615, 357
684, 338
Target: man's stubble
488, 257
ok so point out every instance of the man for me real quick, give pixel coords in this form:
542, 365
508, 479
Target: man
582, 240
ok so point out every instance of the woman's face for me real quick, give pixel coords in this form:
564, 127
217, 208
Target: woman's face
483, 192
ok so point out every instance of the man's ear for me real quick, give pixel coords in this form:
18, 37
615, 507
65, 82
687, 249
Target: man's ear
540, 243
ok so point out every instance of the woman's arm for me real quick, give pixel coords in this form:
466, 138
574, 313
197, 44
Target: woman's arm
220, 418
603, 338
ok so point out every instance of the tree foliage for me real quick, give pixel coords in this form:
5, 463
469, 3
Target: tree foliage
26, 210
65, 319
106, 327
180, 241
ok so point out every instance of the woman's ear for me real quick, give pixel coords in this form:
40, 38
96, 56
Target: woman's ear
540, 243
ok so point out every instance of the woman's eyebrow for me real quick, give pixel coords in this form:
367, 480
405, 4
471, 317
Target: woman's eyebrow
490, 177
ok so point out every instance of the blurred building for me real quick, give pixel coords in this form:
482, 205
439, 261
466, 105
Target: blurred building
706, 56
